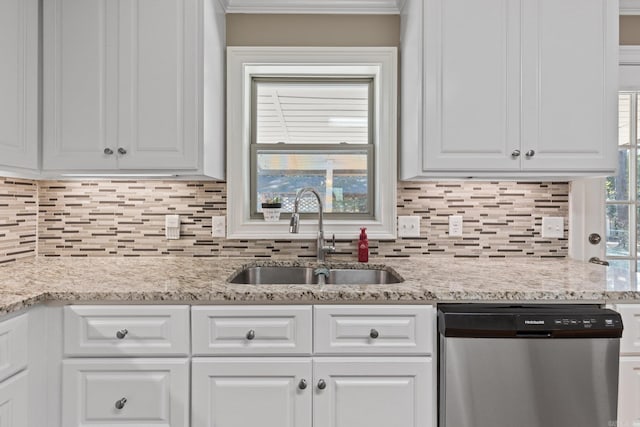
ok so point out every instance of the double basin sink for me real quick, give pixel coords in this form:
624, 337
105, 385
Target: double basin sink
319, 275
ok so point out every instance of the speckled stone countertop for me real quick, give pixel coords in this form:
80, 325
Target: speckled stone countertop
204, 280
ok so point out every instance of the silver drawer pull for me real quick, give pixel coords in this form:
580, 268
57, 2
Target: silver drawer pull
120, 403
374, 334
530, 153
515, 153
322, 384
251, 334
121, 334
122, 151
108, 151
302, 384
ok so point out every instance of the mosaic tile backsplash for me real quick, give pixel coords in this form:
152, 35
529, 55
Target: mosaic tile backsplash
18, 219
126, 218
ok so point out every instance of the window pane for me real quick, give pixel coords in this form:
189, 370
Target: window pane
312, 112
617, 229
618, 273
340, 177
617, 187
624, 119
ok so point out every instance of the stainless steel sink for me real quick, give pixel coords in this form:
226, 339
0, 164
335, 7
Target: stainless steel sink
294, 275
275, 276
345, 276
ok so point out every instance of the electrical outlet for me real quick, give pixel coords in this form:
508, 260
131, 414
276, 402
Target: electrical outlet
455, 225
553, 227
172, 227
408, 226
218, 226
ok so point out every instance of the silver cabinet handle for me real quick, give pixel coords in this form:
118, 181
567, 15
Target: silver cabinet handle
251, 334
302, 384
515, 153
121, 333
530, 153
322, 384
120, 403
374, 334
108, 151
122, 151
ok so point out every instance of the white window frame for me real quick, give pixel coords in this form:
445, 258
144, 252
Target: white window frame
244, 63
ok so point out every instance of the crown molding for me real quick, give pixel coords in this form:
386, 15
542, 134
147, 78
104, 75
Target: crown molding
377, 7
629, 7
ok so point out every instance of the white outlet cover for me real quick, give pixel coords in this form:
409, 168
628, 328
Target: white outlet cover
408, 226
218, 226
455, 225
553, 227
172, 227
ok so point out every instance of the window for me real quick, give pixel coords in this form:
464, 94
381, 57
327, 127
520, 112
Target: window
313, 133
622, 206
312, 117
622, 192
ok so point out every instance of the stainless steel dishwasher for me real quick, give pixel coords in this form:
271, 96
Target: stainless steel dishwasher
528, 366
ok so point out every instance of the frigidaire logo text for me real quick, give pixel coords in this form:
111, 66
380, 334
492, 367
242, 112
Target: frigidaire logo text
534, 322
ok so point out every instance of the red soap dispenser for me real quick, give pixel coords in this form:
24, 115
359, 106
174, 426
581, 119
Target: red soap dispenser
363, 246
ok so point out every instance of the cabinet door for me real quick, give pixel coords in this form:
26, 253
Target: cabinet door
158, 81
14, 348
125, 392
249, 392
472, 85
629, 392
13, 401
19, 83
79, 98
373, 392
569, 84
630, 342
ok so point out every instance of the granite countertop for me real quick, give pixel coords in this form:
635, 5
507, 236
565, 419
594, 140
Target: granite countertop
204, 280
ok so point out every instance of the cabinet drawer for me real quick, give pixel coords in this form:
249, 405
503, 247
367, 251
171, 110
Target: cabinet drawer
630, 343
252, 330
13, 345
125, 392
373, 329
121, 331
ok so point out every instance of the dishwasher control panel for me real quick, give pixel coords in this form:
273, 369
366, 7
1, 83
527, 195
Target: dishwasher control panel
509, 321
567, 322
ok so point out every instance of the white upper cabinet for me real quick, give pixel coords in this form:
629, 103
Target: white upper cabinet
124, 86
19, 83
570, 85
503, 88
158, 84
80, 102
471, 84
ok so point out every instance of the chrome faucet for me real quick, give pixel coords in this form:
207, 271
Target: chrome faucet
294, 224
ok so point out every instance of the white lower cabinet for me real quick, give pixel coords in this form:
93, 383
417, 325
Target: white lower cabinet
248, 392
245, 366
125, 392
14, 408
343, 391
372, 392
629, 392
629, 382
